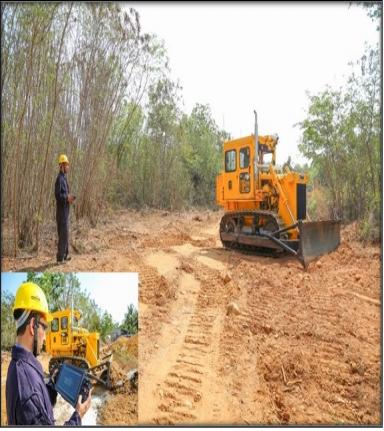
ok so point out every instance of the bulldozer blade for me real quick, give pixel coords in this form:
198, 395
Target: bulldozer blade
317, 238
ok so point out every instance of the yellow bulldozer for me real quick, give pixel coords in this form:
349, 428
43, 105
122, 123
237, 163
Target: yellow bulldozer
66, 342
265, 208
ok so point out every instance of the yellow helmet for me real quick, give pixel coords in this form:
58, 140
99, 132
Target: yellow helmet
63, 159
30, 296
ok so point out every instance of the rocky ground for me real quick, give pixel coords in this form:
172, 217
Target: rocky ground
232, 338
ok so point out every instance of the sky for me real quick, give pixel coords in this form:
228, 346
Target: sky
112, 292
238, 57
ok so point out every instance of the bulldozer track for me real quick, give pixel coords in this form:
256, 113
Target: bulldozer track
247, 248
188, 375
150, 281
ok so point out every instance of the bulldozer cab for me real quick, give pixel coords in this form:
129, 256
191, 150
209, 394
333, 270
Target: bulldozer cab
60, 333
237, 187
66, 338
237, 180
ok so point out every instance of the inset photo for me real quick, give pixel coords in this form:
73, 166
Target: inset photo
69, 348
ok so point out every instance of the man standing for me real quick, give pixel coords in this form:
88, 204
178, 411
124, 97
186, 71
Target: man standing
29, 398
63, 200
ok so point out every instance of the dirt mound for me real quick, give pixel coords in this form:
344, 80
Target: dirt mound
350, 232
158, 290
127, 345
168, 236
120, 380
125, 359
120, 409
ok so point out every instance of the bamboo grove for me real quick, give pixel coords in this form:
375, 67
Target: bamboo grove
84, 80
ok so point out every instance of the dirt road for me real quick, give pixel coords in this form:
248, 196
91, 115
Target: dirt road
229, 338
232, 338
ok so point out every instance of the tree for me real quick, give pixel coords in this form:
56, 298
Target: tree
341, 138
373, 9
106, 325
8, 329
201, 153
67, 70
59, 289
322, 144
131, 322
162, 164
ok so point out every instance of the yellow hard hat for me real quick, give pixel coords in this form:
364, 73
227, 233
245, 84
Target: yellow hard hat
30, 296
63, 159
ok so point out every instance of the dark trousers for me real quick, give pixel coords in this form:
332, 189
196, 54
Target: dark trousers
62, 231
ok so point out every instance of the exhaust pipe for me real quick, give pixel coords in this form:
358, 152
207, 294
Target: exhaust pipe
256, 168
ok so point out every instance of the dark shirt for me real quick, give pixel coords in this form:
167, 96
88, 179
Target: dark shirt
29, 399
61, 192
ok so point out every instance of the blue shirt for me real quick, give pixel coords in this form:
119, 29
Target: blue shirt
29, 399
61, 193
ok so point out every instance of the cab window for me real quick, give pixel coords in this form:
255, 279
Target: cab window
55, 325
230, 161
64, 322
245, 184
244, 157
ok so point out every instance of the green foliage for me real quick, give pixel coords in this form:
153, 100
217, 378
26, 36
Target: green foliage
373, 9
107, 325
370, 228
131, 320
8, 328
59, 289
341, 138
201, 153
164, 158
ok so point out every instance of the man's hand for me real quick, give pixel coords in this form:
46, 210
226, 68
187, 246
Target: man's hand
71, 198
55, 374
82, 408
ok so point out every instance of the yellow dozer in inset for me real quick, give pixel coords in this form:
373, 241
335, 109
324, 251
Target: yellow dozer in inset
67, 342
265, 208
